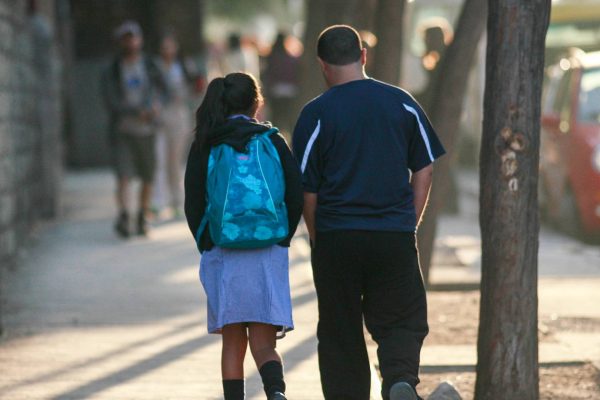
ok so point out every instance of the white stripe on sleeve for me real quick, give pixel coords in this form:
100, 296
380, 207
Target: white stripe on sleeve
422, 129
309, 145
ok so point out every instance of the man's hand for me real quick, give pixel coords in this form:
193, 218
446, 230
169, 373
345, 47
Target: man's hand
310, 208
421, 184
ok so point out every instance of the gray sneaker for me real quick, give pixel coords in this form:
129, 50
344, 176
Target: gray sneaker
278, 396
402, 391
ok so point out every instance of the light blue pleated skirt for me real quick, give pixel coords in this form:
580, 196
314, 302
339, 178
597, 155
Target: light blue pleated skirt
247, 286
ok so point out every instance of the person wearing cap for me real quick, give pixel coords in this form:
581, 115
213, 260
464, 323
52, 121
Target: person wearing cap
366, 151
132, 88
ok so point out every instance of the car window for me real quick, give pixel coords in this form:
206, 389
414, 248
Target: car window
589, 96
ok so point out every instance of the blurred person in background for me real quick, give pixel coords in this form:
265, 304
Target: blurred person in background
436, 41
174, 129
436, 34
281, 83
131, 88
241, 56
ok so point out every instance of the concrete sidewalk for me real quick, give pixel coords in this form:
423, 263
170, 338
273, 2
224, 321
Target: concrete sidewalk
91, 316
568, 285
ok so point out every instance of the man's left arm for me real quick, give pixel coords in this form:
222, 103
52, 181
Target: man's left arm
421, 185
306, 150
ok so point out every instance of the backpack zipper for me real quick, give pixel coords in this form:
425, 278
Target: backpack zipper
226, 198
265, 181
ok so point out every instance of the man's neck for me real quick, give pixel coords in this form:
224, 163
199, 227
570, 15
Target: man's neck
346, 74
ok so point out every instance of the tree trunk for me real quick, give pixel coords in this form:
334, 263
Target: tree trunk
364, 13
444, 106
310, 75
388, 52
507, 366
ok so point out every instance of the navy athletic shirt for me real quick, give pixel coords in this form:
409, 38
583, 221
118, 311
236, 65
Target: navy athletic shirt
356, 145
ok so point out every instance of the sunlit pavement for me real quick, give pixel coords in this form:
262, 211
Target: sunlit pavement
91, 316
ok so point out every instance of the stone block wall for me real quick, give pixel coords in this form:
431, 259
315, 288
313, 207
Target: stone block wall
30, 122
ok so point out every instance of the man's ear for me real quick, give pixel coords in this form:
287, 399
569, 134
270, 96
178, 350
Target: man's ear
363, 56
323, 64
325, 71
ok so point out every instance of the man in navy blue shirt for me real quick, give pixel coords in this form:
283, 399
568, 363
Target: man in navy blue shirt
366, 151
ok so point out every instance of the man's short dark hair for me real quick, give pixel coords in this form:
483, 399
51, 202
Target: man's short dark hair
339, 45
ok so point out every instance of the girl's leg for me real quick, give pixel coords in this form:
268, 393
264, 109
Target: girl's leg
235, 342
268, 361
262, 343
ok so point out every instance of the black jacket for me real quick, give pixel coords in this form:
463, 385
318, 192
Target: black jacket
237, 133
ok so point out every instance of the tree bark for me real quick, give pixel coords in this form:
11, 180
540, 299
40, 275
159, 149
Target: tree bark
364, 13
388, 29
507, 347
310, 75
444, 106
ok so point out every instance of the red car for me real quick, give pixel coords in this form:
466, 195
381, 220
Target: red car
570, 144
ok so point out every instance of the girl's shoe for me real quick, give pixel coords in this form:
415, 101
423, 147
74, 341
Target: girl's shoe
278, 396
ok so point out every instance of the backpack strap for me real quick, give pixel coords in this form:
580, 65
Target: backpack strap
265, 139
269, 132
265, 135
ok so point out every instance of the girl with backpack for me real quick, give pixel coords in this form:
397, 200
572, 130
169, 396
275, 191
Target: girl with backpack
243, 201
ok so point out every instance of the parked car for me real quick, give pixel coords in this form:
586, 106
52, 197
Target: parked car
570, 144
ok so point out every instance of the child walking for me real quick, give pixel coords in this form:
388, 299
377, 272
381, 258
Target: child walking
243, 201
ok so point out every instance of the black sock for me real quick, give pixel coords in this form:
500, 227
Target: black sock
233, 389
271, 373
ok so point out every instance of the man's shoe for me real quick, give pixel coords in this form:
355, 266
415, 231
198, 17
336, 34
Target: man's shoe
122, 225
402, 391
142, 224
278, 396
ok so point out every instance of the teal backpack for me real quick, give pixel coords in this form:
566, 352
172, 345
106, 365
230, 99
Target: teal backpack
245, 196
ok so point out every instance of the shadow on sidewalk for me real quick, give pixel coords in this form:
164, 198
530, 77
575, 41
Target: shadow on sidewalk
119, 377
119, 351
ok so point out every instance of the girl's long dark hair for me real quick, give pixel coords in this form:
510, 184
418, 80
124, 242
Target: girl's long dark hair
236, 93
